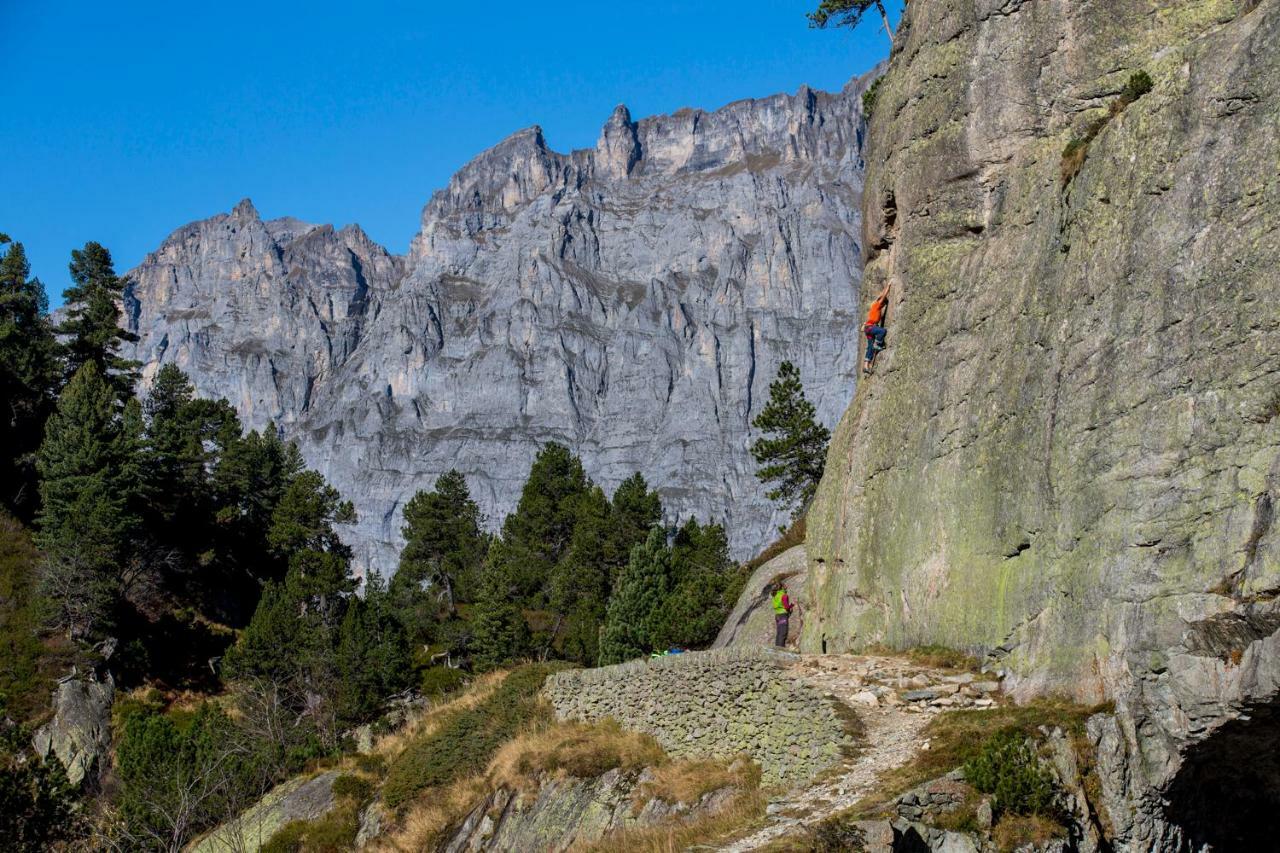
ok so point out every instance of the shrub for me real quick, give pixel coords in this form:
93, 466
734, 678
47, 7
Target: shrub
355, 788
1009, 768
869, 98
1073, 156
466, 739
440, 680
36, 800
286, 839
1138, 84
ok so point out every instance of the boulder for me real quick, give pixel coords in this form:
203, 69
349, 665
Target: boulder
79, 734
751, 620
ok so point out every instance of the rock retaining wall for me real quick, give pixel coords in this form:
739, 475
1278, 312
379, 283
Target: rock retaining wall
713, 704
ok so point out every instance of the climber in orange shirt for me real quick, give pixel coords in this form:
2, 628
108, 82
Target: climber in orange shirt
874, 329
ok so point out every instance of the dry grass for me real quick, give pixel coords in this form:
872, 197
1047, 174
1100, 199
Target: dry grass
689, 781
933, 656
1014, 831
583, 751
571, 749
391, 745
429, 816
791, 538
741, 813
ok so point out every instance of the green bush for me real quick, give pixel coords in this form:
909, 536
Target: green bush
468, 738
355, 788
286, 839
36, 800
439, 680
1138, 84
1009, 768
869, 98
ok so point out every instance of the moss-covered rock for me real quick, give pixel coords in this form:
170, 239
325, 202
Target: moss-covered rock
1069, 455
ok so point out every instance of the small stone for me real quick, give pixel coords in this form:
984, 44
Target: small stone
984, 815
986, 686
920, 695
867, 698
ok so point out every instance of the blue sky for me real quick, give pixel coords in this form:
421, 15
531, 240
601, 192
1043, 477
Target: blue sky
124, 121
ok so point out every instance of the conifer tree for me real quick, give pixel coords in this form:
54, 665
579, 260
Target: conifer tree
633, 513
581, 582
92, 327
847, 13
537, 535
634, 611
28, 376
89, 480
444, 549
499, 632
793, 452
705, 586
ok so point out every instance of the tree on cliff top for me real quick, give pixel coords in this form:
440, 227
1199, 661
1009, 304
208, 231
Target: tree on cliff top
847, 13
794, 451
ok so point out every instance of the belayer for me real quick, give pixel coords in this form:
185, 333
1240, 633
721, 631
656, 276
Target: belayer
874, 329
781, 613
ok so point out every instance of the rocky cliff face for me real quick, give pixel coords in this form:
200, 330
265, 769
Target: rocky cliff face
632, 301
1070, 454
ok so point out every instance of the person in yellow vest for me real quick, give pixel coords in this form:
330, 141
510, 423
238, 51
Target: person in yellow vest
781, 613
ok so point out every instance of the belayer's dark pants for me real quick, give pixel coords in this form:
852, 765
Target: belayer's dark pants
782, 624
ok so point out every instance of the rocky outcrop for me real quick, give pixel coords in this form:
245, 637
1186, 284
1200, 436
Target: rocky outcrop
566, 811
632, 301
299, 799
79, 734
751, 622
718, 704
1069, 456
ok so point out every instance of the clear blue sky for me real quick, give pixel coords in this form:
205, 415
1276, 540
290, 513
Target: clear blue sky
124, 121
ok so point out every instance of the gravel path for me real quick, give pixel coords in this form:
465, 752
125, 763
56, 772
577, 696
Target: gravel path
895, 700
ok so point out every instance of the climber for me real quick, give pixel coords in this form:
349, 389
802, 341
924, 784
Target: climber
781, 613
874, 329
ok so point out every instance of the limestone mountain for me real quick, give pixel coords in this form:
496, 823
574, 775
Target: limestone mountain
1069, 456
632, 301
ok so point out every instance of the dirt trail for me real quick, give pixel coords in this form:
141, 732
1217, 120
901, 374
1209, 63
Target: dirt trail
895, 699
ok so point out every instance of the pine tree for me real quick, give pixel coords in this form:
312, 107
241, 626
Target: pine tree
847, 13
705, 586
28, 375
794, 451
373, 659
634, 610
92, 327
634, 512
89, 481
537, 535
579, 593
444, 549
499, 632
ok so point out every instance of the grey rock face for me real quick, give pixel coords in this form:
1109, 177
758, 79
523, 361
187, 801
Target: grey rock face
632, 301
1069, 457
79, 734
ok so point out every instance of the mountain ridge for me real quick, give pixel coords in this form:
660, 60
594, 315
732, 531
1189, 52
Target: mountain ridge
632, 300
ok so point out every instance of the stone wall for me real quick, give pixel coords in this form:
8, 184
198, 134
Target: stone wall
713, 704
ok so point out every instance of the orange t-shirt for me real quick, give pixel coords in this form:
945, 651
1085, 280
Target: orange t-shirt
876, 314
